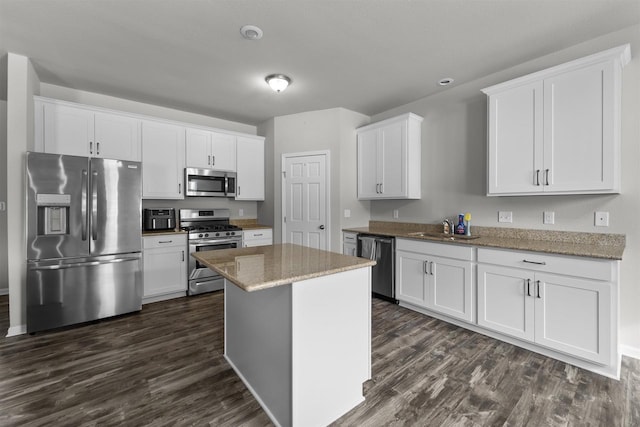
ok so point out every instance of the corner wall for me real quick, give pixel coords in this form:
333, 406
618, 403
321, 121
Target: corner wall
22, 84
4, 274
332, 130
454, 170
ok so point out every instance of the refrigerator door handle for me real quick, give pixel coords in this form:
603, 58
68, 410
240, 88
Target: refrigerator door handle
94, 206
82, 264
83, 208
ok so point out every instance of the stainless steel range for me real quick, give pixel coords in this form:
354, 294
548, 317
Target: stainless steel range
209, 230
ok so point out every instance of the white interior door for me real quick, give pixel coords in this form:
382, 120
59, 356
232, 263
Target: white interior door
305, 200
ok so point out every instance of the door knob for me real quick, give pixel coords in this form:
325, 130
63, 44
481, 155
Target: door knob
321, 227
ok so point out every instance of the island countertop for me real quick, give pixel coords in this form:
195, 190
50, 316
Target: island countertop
262, 267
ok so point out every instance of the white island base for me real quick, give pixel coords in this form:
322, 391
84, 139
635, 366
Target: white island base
303, 349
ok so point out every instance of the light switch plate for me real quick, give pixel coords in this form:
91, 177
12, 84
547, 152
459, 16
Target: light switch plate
3, 206
549, 217
505, 216
396, 214
601, 219
240, 212
347, 213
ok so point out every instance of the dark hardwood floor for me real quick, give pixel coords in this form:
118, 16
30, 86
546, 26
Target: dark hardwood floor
165, 366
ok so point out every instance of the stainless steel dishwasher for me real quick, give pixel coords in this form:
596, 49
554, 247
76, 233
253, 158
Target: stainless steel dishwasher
381, 249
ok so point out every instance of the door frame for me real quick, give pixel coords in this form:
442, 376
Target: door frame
327, 205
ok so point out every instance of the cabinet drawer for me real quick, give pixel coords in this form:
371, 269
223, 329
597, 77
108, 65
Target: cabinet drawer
350, 237
164, 240
262, 234
573, 266
438, 249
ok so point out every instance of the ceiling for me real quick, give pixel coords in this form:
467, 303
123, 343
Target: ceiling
364, 55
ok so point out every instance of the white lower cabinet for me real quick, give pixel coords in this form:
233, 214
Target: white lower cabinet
165, 266
571, 312
350, 243
259, 237
437, 277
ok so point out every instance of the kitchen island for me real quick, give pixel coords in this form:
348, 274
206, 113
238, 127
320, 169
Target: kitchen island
297, 328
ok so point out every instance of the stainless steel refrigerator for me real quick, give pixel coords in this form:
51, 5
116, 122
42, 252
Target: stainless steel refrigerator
84, 259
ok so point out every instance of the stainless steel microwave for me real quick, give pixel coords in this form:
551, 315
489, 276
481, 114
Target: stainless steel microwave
209, 183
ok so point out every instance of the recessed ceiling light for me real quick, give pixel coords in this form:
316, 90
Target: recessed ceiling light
251, 32
278, 82
445, 82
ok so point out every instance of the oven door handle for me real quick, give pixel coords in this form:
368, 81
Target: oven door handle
214, 242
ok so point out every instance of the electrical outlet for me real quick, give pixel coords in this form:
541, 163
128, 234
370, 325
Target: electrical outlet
601, 219
347, 213
3, 206
505, 216
396, 214
240, 212
549, 217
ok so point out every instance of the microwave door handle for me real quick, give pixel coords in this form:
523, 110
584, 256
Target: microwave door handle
226, 184
83, 206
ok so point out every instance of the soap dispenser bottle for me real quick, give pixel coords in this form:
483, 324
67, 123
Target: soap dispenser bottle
460, 227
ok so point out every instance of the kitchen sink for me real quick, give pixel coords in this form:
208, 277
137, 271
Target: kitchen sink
441, 236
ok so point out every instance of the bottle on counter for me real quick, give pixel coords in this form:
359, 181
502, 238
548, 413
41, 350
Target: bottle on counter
460, 229
467, 226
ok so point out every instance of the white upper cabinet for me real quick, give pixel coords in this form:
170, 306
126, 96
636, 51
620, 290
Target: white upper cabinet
557, 131
250, 168
64, 128
162, 160
389, 158
210, 150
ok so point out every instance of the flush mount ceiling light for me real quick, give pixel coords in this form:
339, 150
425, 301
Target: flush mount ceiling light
278, 82
445, 82
251, 32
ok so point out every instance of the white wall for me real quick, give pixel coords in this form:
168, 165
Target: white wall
22, 84
4, 274
120, 104
333, 130
266, 208
454, 169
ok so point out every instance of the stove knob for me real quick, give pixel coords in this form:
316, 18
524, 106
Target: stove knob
199, 235
206, 235
217, 234
228, 233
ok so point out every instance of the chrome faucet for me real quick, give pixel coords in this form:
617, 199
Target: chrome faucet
447, 227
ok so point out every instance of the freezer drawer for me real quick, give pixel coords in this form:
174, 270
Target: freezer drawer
65, 292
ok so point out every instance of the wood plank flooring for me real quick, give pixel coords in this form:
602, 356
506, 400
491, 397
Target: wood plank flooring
165, 367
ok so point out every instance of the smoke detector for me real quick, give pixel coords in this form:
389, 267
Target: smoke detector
251, 32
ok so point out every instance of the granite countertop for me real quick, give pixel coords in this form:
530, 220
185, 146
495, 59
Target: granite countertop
262, 267
162, 232
249, 224
593, 245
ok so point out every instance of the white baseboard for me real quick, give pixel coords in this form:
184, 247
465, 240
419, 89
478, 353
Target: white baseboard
17, 330
629, 351
4, 291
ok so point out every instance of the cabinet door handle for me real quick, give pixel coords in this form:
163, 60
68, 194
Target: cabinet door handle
528, 287
90, 147
97, 148
238, 190
537, 176
426, 269
182, 256
209, 160
432, 267
381, 189
179, 188
546, 173
538, 288
213, 160
377, 188
534, 262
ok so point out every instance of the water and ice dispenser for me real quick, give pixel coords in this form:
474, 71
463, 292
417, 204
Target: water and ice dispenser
53, 214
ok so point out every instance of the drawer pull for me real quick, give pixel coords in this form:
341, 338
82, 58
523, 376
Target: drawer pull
534, 262
165, 241
256, 235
